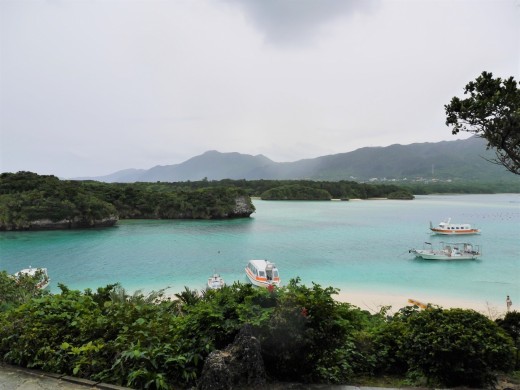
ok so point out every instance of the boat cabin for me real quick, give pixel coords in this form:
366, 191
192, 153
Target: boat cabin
216, 282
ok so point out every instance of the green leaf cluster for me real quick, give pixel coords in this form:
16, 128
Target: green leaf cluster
17, 290
492, 111
454, 347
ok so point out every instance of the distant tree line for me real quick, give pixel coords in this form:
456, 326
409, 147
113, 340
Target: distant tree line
301, 189
26, 197
344, 189
468, 187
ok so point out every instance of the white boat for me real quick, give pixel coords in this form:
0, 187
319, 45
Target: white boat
449, 251
262, 273
31, 272
449, 228
215, 282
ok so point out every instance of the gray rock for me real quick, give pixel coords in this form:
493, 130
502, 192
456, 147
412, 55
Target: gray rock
240, 365
47, 224
243, 207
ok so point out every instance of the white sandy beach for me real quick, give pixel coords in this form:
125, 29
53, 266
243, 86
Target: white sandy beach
374, 301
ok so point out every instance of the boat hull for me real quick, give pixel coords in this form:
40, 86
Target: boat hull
448, 251
455, 232
260, 283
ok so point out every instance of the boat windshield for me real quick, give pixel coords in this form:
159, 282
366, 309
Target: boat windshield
271, 273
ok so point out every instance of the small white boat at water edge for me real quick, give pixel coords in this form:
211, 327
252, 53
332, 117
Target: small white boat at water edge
262, 273
215, 282
448, 228
449, 251
31, 272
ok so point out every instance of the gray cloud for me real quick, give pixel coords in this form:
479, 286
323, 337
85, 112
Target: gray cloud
296, 22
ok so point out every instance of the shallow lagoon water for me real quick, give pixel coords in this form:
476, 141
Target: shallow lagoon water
354, 245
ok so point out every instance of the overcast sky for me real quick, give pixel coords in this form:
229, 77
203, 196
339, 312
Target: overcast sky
95, 86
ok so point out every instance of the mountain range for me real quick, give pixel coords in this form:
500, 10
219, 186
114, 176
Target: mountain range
447, 160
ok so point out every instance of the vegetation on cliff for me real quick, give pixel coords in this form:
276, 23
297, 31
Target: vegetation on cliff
31, 201
305, 335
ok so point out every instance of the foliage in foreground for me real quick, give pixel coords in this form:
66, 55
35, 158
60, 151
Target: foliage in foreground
152, 342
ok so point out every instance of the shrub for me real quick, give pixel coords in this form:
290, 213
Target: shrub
456, 347
511, 324
32, 334
389, 340
310, 336
16, 291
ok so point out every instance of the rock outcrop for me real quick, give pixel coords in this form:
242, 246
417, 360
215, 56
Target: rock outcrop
238, 366
243, 207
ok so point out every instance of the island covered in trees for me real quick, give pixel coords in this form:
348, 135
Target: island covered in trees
29, 201
32, 202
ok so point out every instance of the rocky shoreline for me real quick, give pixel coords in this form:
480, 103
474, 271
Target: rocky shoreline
242, 209
64, 224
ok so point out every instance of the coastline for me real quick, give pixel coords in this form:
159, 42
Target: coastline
374, 301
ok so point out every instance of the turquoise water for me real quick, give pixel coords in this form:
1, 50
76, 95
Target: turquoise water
359, 245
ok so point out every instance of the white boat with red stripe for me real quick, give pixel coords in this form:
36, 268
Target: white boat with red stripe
262, 273
454, 229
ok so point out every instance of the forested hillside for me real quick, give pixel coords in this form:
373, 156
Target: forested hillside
460, 160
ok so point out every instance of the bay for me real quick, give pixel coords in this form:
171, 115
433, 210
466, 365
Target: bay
354, 245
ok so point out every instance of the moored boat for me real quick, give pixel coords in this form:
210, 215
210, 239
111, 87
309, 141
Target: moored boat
448, 251
449, 228
262, 273
44, 280
215, 282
